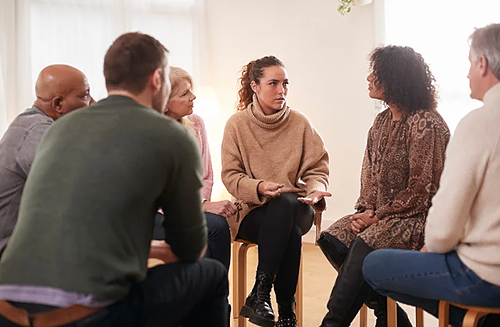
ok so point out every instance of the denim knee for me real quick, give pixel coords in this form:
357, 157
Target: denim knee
368, 265
372, 271
217, 226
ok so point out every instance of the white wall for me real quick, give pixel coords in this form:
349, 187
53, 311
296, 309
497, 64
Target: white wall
326, 58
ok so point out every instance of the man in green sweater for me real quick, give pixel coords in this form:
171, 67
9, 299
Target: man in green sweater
78, 255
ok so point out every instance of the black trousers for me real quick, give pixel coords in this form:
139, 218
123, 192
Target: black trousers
178, 294
277, 227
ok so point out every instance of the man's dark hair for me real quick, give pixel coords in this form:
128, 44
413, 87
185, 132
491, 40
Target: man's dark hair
131, 59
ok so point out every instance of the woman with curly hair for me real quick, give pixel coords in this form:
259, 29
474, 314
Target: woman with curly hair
402, 165
276, 165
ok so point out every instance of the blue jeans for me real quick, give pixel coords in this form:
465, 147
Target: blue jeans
219, 237
177, 294
422, 279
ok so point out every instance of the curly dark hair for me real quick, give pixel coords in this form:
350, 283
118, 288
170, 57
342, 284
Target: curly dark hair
407, 79
253, 71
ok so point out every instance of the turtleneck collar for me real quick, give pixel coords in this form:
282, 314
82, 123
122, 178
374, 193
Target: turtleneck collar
267, 121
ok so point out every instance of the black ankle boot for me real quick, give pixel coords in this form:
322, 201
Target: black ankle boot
381, 314
380, 310
257, 306
287, 316
334, 250
491, 321
350, 290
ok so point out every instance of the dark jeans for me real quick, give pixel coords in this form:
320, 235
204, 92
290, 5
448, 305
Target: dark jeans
277, 227
422, 279
175, 294
219, 237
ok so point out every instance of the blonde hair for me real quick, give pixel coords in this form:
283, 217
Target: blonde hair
177, 75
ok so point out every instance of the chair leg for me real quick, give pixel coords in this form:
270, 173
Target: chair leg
392, 313
444, 313
299, 298
472, 318
419, 316
242, 281
363, 316
234, 263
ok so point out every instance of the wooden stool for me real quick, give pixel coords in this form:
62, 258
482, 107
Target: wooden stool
392, 315
471, 317
240, 250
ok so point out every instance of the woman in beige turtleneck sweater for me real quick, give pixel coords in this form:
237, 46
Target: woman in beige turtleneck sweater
275, 165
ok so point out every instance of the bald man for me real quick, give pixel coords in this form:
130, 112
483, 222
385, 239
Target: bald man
59, 90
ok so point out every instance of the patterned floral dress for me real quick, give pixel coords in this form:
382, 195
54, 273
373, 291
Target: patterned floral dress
401, 169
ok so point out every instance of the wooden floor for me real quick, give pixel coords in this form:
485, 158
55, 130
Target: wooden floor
319, 277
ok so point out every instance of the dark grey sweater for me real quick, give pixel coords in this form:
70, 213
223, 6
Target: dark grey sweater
87, 211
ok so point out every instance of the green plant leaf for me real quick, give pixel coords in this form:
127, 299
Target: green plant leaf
345, 6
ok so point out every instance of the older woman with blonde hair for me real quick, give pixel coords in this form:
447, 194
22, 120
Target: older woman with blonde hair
180, 107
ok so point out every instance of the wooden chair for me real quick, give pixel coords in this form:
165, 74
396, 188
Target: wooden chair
239, 262
471, 317
392, 315
155, 258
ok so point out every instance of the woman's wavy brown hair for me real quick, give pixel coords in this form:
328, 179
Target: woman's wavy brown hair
253, 71
405, 76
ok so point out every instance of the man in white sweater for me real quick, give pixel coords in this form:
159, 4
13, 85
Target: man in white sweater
460, 261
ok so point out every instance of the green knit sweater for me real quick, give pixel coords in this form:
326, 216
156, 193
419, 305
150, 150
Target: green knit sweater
87, 212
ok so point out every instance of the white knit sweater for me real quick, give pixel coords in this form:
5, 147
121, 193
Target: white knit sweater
465, 214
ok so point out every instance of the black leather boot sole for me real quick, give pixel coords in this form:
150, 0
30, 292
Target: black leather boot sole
257, 307
248, 312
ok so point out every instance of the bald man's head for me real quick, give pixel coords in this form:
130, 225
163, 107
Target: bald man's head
61, 89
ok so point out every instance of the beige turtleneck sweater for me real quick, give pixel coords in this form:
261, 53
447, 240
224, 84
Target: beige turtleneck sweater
282, 148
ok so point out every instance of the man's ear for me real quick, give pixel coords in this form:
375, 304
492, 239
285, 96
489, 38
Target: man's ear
57, 104
483, 65
253, 85
157, 79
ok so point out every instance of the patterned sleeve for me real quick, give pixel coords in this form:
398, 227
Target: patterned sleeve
368, 191
427, 139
